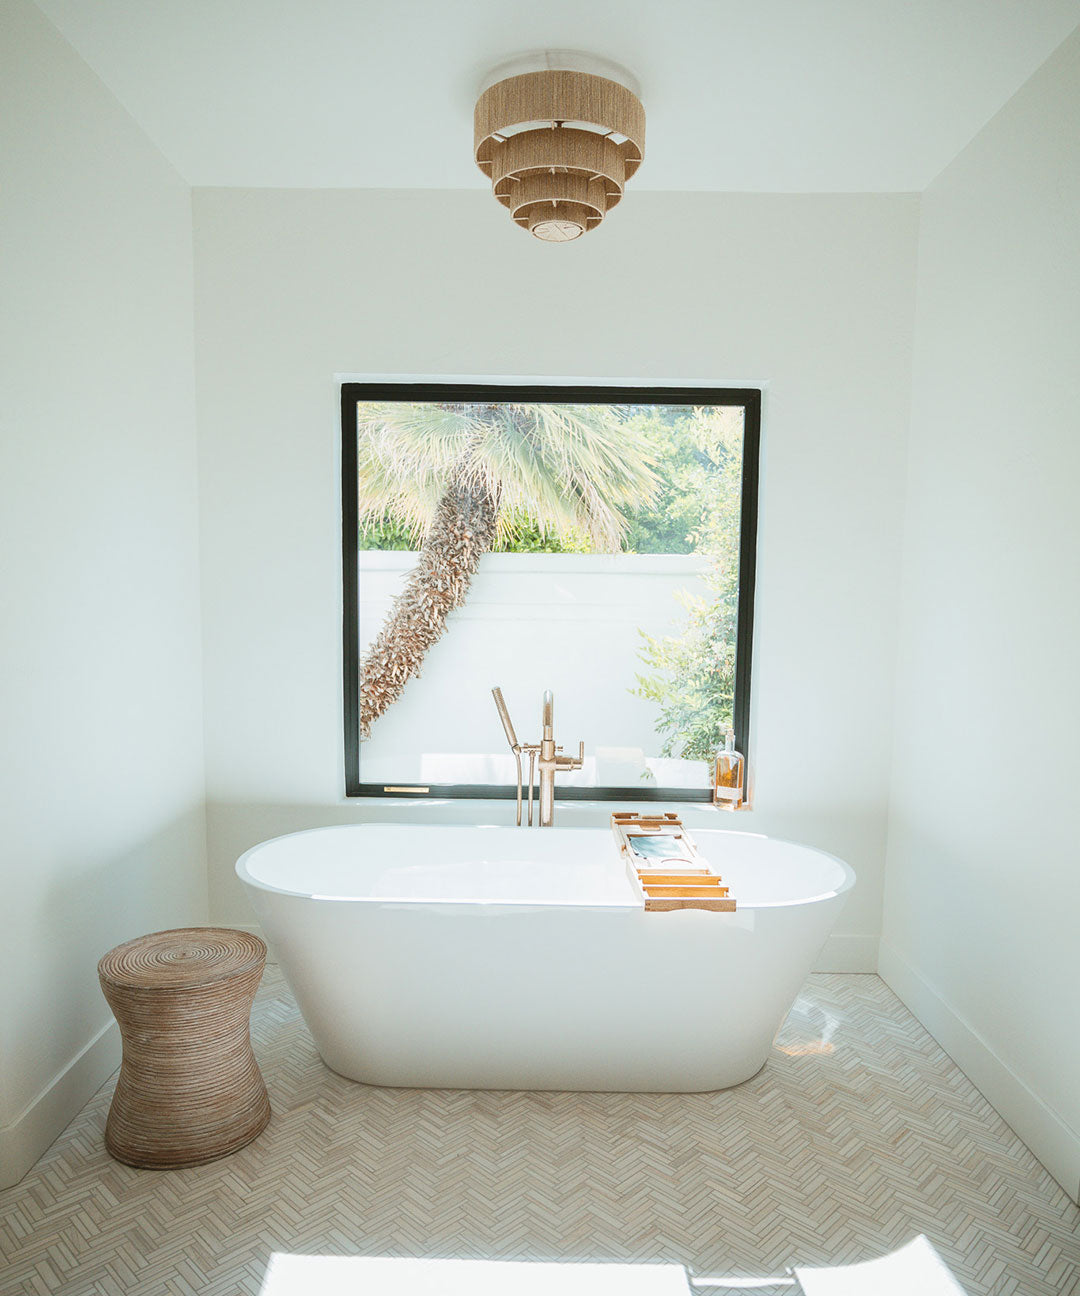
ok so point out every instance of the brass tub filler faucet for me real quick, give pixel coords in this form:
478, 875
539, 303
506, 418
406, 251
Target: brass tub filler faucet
543, 755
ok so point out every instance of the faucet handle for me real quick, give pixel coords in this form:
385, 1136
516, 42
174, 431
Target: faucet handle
572, 762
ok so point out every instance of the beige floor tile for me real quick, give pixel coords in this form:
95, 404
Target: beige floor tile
857, 1135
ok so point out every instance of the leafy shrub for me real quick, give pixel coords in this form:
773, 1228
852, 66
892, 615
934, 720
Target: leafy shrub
691, 674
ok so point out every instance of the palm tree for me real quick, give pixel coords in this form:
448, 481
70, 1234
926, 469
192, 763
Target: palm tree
458, 475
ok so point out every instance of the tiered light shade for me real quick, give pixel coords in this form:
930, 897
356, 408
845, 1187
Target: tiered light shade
558, 148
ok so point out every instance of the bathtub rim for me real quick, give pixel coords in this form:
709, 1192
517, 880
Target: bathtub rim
246, 877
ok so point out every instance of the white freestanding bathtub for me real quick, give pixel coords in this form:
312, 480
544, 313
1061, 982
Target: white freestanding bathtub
452, 956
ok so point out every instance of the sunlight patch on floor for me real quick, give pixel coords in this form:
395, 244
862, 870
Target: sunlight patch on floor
916, 1267
300, 1275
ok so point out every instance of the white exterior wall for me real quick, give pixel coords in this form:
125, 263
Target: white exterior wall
534, 621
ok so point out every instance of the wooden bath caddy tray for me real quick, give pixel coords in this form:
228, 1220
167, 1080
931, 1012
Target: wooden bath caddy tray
664, 865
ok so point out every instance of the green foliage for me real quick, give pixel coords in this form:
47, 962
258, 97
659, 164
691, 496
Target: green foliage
657, 467
691, 675
387, 532
522, 535
681, 443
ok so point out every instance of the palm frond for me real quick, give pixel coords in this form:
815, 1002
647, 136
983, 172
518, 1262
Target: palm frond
571, 468
405, 456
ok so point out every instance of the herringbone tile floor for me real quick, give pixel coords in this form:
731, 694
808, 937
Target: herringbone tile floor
858, 1134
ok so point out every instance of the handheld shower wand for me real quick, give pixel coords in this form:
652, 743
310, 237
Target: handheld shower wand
515, 746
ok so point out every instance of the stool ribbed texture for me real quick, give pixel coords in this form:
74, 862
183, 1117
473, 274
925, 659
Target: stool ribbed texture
189, 1089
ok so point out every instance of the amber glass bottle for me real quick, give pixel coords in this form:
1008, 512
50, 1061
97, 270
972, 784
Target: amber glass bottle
728, 776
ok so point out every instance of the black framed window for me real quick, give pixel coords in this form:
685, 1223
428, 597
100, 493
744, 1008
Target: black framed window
595, 541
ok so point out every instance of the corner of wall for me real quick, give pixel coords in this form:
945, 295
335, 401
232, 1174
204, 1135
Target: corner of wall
1055, 1143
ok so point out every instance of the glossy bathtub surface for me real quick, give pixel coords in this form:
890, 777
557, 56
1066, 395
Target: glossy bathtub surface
455, 956
454, 863
496, 865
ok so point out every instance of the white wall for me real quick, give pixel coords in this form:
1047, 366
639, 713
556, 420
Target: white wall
101, 777
812, 296
534, 617
982, 914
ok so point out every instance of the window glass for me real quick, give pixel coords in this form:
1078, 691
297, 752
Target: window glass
591, 548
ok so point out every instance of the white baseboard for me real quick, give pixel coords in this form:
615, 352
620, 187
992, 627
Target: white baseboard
48, 1115
848, 954
1051, 1139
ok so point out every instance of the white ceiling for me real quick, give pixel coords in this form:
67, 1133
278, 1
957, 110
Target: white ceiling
752, 95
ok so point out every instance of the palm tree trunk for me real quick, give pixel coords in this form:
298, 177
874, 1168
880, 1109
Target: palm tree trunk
462, 531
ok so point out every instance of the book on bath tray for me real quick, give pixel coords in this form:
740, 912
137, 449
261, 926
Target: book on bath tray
664, 866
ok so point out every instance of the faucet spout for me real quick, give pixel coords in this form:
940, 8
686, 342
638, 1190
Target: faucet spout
551, 762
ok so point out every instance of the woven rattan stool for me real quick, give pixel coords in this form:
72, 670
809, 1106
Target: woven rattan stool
189, 1089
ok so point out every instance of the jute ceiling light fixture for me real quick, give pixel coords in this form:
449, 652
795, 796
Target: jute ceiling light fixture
559, 142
